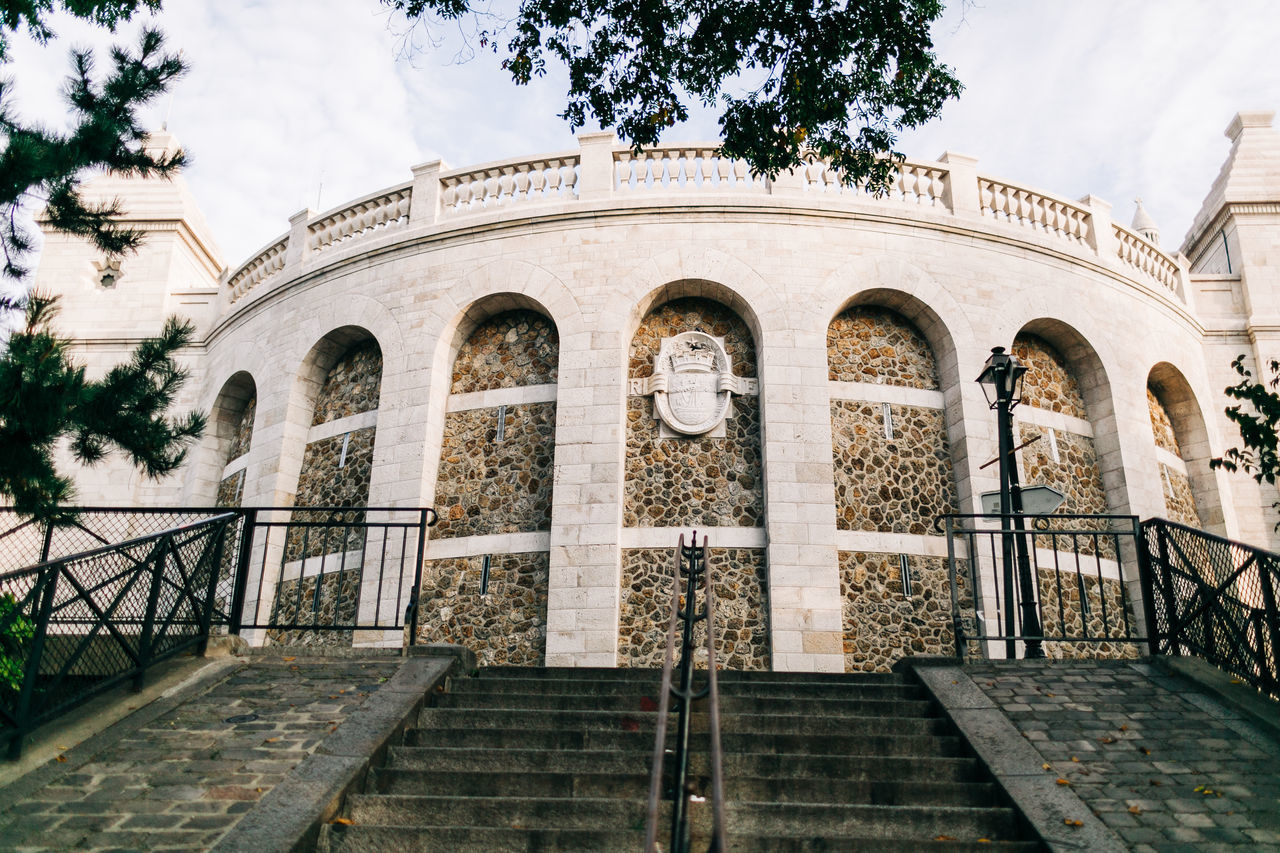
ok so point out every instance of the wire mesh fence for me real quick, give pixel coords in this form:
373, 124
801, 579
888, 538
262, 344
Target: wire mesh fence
1216, 598
74, 626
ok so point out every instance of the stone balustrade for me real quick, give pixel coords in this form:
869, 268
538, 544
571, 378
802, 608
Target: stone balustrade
601, 170
477, 190
385, 209
1005, 202
1137, 251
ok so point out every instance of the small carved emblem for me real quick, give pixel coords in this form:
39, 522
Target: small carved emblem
692, 385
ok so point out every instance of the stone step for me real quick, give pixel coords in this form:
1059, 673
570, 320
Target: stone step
727, 676
799, 724
837, 769
729, 704
565, 785
336, 838
615, 687
642, 741
746, 818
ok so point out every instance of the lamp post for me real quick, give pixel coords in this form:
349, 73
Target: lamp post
1001, 382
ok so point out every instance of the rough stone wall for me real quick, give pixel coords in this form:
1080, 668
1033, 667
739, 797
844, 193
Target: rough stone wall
702, 481
1162, 425
490, 486
329, 480
897, 484
508, 625
230, 490
692, 315
1075, 474
296, 603
740, 581
1062, 616
351, 386
1179, 502
1049, 383
867, 344
242, 435
508, 350
881, 625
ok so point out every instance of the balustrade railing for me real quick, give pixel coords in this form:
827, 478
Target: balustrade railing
691, 563
258, 269
1019, 206
920, 184
546, 179
684, 168
1138, 252
382, 211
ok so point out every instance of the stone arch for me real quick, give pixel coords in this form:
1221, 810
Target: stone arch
495, 478
231, 420
1175, 399
713, 479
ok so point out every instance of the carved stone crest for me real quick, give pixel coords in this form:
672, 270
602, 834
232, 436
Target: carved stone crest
692, 385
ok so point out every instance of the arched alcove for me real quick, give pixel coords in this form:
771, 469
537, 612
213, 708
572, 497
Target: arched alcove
1183, 453
231, 421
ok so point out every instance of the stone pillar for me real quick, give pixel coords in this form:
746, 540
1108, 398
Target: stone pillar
1102, 237
586, 509
595, 180
960, 188
424, 206
295, 255
805, 609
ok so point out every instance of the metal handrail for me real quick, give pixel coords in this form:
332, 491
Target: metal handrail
691, 561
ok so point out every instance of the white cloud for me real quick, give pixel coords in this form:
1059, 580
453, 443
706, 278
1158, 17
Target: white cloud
1112, 98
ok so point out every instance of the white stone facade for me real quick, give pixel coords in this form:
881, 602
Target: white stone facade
595, 238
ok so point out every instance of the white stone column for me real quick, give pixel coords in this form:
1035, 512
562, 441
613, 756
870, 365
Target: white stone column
586, 510
960, 188
424, 204
805, 608
296, 253
595, 179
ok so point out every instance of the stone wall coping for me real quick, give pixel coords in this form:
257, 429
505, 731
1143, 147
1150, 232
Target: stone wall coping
1053, 420
494, 397
884, 542
338, 426
493, 543
1173, 460
872, 392
717, 537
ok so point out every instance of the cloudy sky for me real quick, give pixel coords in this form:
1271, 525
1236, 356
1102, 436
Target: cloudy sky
307, 103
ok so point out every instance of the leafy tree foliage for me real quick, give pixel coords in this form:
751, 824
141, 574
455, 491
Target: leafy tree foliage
794, 79
1260, 456
38, 165
45, 397
33, 15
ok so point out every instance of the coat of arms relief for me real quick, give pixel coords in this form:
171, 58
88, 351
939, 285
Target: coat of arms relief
692, 386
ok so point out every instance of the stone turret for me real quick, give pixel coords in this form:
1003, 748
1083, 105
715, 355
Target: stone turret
1144, 224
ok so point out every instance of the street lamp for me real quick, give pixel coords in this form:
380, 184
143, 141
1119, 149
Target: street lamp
1001, 382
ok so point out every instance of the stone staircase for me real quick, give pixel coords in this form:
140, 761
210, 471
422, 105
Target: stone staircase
558, 760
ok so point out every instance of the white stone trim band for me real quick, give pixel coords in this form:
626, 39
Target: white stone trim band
1053, 420
668, 537
495, 397
493, 543
871, 392
877, 542
236, 465
1168, 457
350, 423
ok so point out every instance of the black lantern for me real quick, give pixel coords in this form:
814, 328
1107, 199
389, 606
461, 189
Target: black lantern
1001, 382
1001, 379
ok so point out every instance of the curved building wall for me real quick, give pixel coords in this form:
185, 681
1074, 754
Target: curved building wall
835, 308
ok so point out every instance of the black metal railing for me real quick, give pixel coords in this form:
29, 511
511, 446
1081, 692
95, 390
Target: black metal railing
1069, 568
1216, 598
75, 626
691, 563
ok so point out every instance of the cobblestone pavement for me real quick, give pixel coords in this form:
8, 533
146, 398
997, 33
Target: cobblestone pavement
1166, 767
183, 778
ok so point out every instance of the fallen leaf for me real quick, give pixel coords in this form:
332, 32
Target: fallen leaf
984, 840
1076, 760
259, 790
1135, 810
1062, 781
64, 747
955, 682
1124, 728
1049, 694
1155, 783
286, 660
944, 838
1045, 766
1069, 822
345, 821
61, 758
272, 739
1106, 740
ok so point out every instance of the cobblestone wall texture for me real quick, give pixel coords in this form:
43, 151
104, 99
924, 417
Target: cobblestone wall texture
1163, 765
1049, 382
1162, 425
336, 605
1062, 615
184, 779
866, 344
740, 581
899, 484
230, 489
506, 626
700, 481
1179, 501
351, 386
328, 479
1075, 474
692, 315
242, 435
490, 486
881, 625
508, 350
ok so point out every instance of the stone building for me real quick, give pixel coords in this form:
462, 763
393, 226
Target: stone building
575, 357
